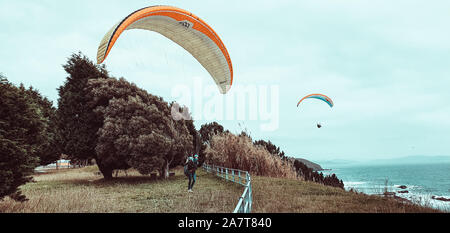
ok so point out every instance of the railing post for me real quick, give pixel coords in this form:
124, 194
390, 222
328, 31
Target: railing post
245, 201
240, 177
250, 199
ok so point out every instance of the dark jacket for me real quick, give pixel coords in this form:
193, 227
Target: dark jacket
190, 167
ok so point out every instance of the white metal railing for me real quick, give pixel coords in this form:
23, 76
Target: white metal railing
237, 176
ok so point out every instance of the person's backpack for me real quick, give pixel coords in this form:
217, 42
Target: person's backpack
188, 166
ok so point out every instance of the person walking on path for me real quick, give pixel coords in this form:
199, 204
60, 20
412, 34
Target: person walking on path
190, 167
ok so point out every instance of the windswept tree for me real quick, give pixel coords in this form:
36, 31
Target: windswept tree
21, 134
77, 124
138, 129
271, 148
308, 174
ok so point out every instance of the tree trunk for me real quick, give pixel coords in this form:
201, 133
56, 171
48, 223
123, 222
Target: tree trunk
165, 170
106, 172
197, 144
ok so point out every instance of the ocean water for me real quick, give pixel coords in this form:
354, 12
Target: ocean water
422, 180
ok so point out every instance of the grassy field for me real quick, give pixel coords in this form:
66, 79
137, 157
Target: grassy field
82, 190
277, 195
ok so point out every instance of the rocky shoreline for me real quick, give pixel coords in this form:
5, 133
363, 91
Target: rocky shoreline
406, 200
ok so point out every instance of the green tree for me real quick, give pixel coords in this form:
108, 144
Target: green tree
138, 129
21, 133
272, 148
47, 151
102, 92
77, 123
186, 138
210, 129
198, 145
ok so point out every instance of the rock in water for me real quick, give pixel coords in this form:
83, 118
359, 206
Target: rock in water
440, 198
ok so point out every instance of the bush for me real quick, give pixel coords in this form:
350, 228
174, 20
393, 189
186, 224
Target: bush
239, 152
308, 174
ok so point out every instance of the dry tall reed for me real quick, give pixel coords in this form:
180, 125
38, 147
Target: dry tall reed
239, 152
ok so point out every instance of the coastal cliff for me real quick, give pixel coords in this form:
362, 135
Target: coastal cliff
309, 164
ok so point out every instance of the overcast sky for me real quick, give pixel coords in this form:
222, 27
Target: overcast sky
385, 64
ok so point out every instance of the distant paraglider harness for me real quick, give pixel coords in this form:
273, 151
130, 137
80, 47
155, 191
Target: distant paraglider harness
322, 97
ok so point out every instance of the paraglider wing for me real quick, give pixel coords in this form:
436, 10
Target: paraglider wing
185, 29
324, 98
